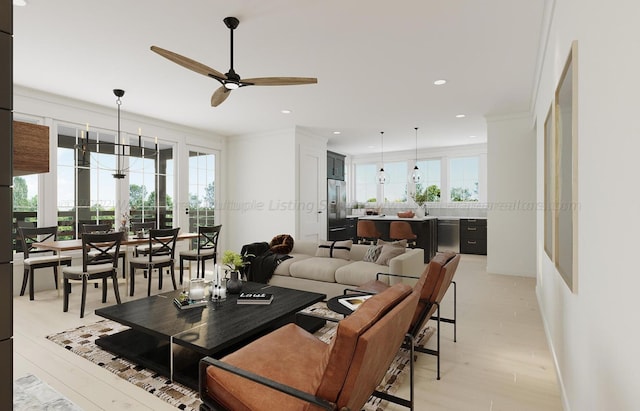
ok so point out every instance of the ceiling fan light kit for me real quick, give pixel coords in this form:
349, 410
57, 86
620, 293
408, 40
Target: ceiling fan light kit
230, 80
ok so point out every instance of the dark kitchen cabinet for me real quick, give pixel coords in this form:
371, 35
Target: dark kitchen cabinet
335, 166
473, 236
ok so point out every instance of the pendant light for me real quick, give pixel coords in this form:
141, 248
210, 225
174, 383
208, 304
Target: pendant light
382, 176
119, 174
416, 175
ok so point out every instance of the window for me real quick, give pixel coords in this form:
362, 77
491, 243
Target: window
86, 187
150, 184
365, 189
429, 188
395, 189
87, 190
25, 205
463, 178
202, 171
444, 179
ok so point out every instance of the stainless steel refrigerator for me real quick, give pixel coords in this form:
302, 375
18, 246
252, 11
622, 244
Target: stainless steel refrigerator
337, 210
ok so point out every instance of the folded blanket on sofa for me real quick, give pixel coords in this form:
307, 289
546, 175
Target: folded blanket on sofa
262, 261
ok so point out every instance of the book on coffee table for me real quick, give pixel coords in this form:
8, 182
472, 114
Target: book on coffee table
255, 298
354, 302
185, 304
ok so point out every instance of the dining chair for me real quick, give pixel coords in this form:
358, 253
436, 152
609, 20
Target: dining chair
162, 246
104, 228
206, 249
99, 261
136, 227
33, 258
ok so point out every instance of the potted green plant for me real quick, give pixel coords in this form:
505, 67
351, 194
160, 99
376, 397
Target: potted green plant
422, 196
234, 262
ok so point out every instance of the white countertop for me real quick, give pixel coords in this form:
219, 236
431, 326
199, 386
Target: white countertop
383, 217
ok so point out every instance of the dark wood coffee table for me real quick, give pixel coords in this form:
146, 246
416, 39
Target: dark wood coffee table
171, 341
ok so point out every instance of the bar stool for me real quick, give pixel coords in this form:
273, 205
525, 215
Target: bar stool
401, 230
366, 231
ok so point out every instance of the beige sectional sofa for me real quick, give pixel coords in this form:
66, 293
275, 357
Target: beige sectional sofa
330, 276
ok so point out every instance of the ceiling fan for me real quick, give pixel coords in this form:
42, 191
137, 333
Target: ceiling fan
230, 80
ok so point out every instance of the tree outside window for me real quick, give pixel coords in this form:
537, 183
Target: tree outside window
464, 172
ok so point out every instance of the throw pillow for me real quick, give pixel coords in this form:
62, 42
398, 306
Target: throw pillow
388, 252
334, 249
281, 244
401, 243
372, 254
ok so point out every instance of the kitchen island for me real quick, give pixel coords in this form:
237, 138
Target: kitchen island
425, 228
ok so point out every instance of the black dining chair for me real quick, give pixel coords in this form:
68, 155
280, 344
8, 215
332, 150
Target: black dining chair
99, 261
162, 243
34, 259
206, 249
144, 227
104, 228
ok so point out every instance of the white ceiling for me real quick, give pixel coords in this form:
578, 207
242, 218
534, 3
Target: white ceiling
375, 62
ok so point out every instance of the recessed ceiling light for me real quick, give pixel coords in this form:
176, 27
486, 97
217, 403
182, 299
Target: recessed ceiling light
337, 132
460, 116
440, 82
286, 111
19, 3
473, 136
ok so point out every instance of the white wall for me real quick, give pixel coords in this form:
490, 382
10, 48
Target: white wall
593, 332
261, 187
511, 206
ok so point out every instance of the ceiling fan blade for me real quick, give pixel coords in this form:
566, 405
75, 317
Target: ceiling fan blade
188, 63
280, 81
219, 96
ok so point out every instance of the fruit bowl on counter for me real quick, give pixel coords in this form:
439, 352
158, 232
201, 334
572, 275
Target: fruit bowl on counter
406, 214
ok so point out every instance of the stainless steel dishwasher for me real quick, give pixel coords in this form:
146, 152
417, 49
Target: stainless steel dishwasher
449, 234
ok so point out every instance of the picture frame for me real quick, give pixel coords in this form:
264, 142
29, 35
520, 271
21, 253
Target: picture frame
549, 183
565, 163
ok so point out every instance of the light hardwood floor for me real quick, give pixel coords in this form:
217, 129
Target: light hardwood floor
501, 360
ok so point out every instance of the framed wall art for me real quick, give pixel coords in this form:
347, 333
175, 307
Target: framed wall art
565, 195
549, 183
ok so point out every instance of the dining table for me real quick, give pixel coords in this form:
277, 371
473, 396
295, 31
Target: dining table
60, 246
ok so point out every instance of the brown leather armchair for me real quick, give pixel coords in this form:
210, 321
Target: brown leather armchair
432, 286
290, 369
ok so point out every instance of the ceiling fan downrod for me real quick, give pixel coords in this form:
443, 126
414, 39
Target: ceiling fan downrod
232, 24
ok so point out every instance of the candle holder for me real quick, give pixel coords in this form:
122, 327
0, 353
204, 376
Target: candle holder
218, 289
196, 289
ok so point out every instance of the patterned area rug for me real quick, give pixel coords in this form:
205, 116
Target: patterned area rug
81, 341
